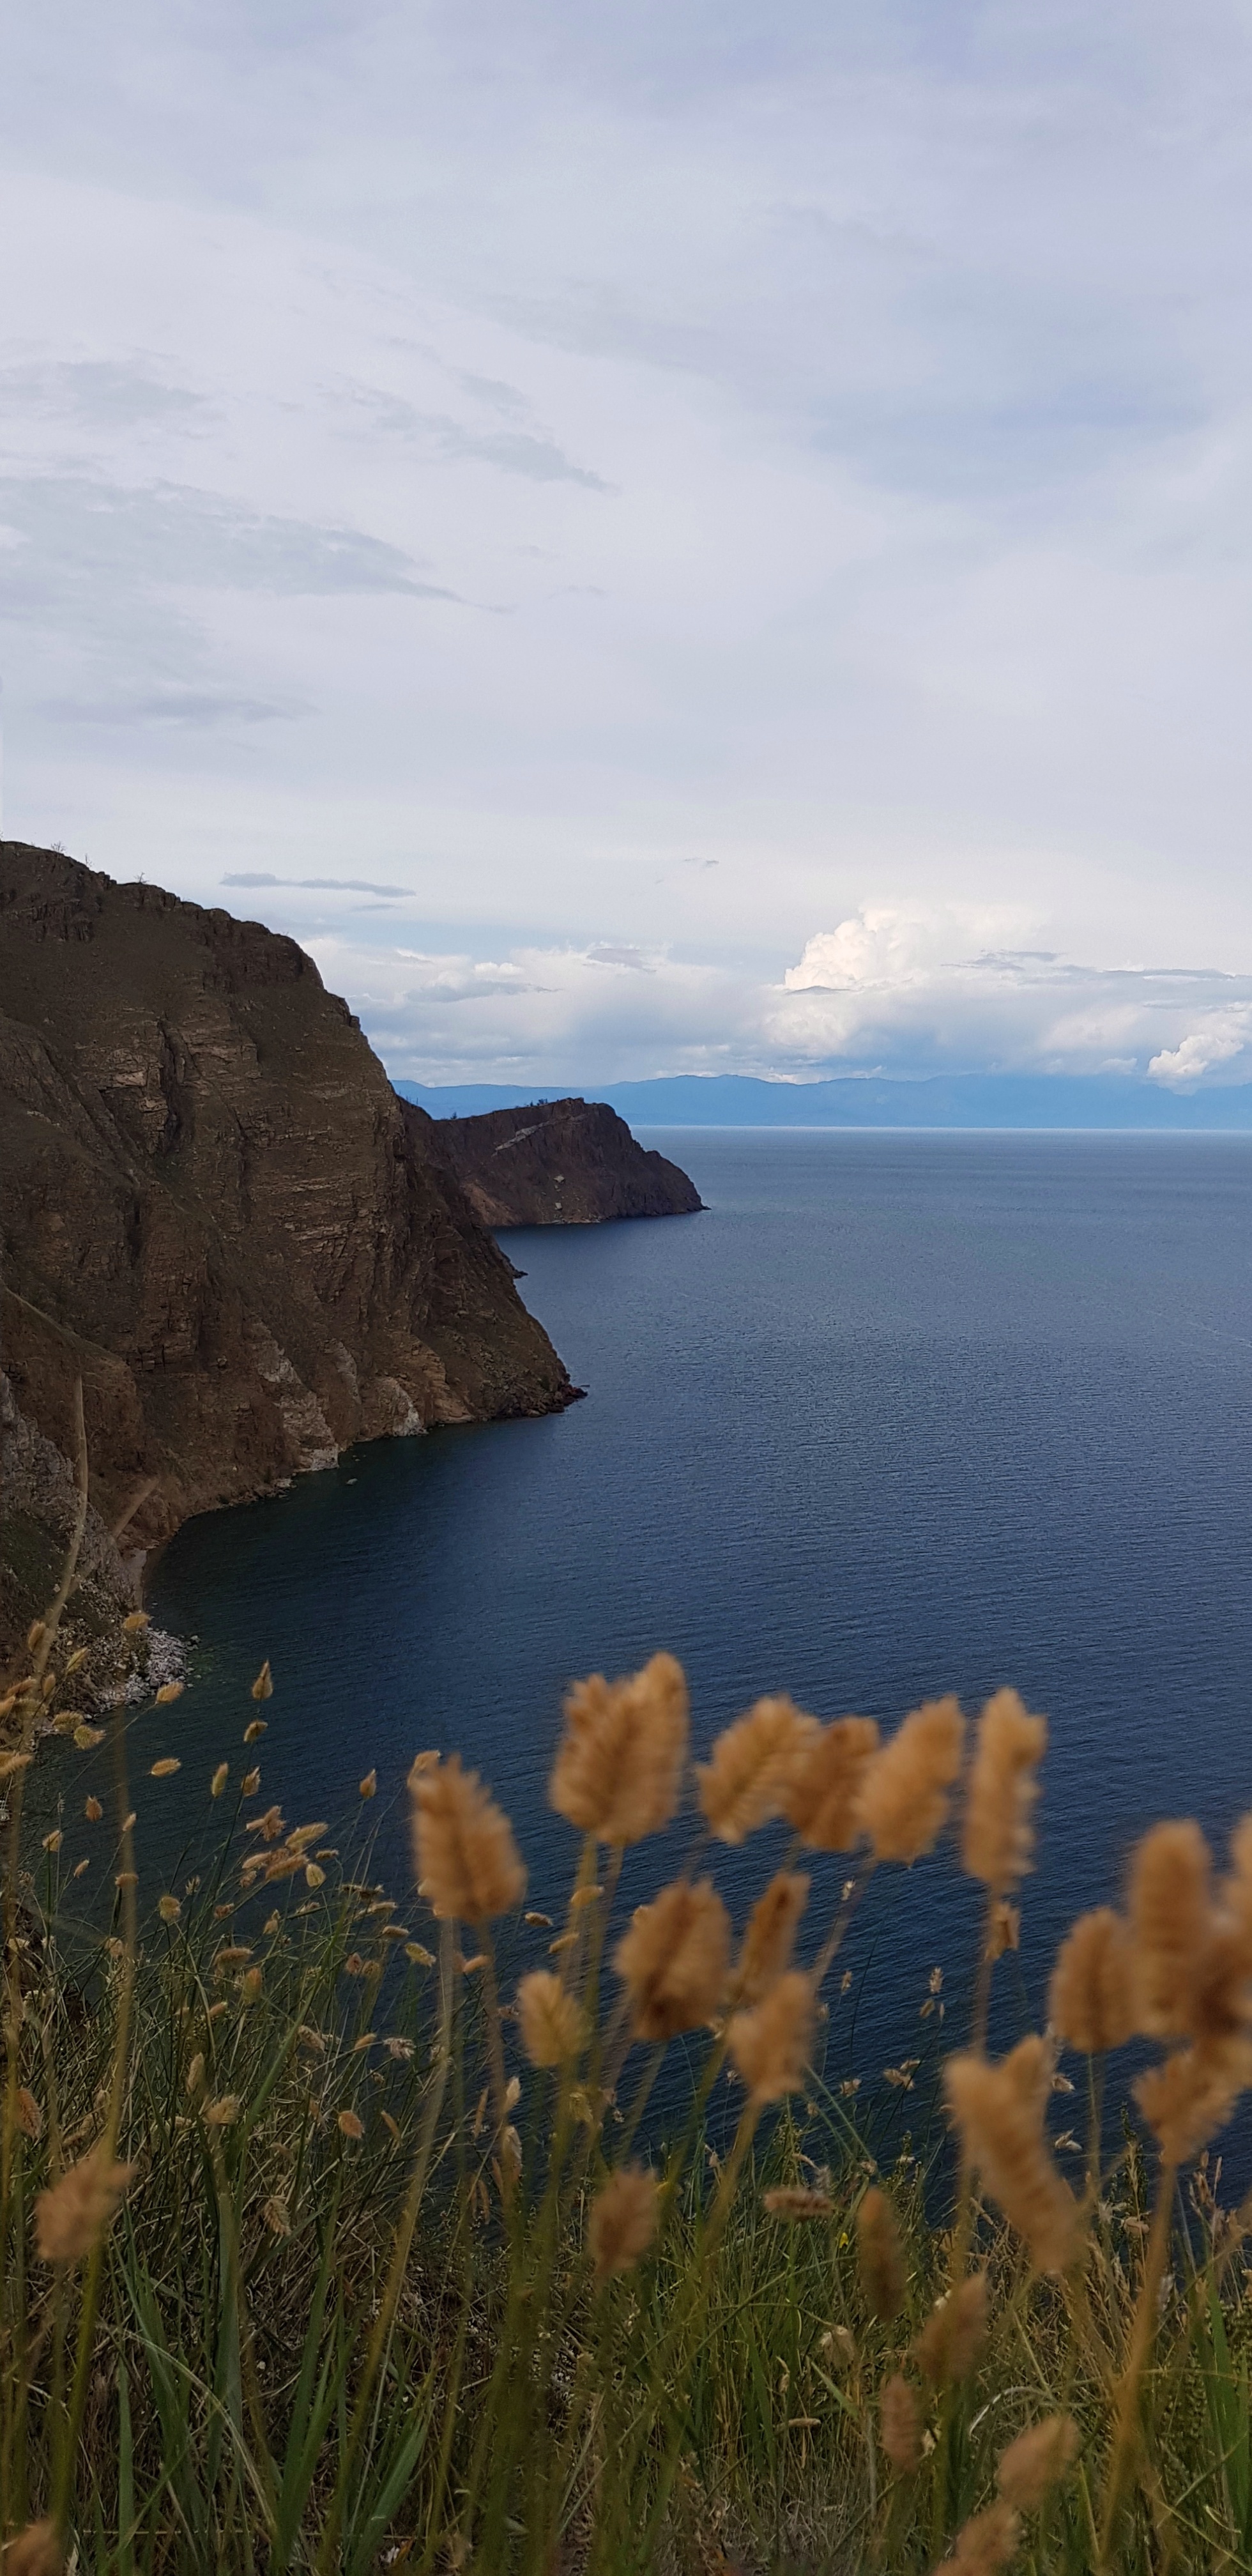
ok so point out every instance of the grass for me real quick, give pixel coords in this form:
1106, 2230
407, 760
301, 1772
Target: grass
361, 2303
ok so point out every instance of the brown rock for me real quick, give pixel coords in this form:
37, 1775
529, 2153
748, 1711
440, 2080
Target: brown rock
558, 1162
216, 1209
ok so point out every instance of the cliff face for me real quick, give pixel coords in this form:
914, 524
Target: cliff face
214, 1206
559, 1162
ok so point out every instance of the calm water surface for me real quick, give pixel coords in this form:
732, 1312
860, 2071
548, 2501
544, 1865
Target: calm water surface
899, 1415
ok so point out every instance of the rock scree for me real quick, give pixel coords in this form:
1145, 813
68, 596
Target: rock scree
214, 1208
559, 1162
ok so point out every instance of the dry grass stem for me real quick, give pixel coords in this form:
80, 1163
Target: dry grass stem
619, 1768
674, 1960
1170, 1919
822, 1794
999, 2111
770, 1937
900, 2424
623, 2222
71, 2218
1037, 2460
549, 2019
1091, 2000
880, 2256
467, 1862
1003, 1787
749, 1773
770, 2045
905, 1790
951, 2341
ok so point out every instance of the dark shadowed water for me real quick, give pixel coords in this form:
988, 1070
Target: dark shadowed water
900, 1414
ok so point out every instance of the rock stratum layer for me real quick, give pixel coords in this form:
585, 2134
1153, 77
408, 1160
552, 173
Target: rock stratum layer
216, 1211
559, 1162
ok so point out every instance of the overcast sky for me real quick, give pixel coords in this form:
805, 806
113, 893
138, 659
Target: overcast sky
653, 535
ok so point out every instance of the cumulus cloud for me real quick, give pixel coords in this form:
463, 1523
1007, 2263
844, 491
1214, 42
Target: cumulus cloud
922, 990
907, 993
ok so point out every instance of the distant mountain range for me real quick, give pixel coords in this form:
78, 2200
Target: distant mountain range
943, 1100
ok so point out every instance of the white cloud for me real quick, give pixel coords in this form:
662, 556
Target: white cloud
653, 482
1221, 1038
905, 993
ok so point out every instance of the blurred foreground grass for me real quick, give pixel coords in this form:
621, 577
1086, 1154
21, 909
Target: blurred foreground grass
320, 2254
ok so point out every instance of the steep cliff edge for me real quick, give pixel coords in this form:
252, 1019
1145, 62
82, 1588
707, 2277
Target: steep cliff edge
559, 1162
214, 1207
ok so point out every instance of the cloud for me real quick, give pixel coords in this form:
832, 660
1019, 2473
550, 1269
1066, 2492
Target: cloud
920, 990
1222, 1037
905, 992
169, 706
98, 393
72, 531
321, 885
513, 451
850, 410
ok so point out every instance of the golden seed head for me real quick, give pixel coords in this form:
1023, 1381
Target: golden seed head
87, 1737
1192, 2094
38, 1630
254, 1730
168, 1693
277, 2217
225, 2111
92, 1810
986, 2543
1037, 2460
770, 1937
135, 1622
263, 1686
824, 1788
904, 1797
749, 1773
29, 2115
674, 1958
52, 1842
368, 1786
1170, 1919
73, 2215
999, 2111
619, 1766
1091, 2001
549, 2019
169, 1908
623, 2221
900, 2424
880, 2256
12, 1764
219, 1780
770, 2045
195, 2074
953, 2336
998, 1837
249, 1784
794, 2201
250, 1989
165, 1768
350, 2125
467, 1861
36, 2551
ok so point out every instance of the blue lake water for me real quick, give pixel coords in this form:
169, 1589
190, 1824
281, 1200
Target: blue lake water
900, 1414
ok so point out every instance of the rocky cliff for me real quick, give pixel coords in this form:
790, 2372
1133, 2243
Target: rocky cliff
559, 1162
214, 1208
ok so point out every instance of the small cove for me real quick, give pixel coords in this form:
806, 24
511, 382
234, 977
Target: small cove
899, 1414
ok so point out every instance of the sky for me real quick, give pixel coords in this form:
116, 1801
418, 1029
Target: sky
653, 536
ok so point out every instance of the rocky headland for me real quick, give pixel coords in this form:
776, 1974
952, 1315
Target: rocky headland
558, 1162
216, 1213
